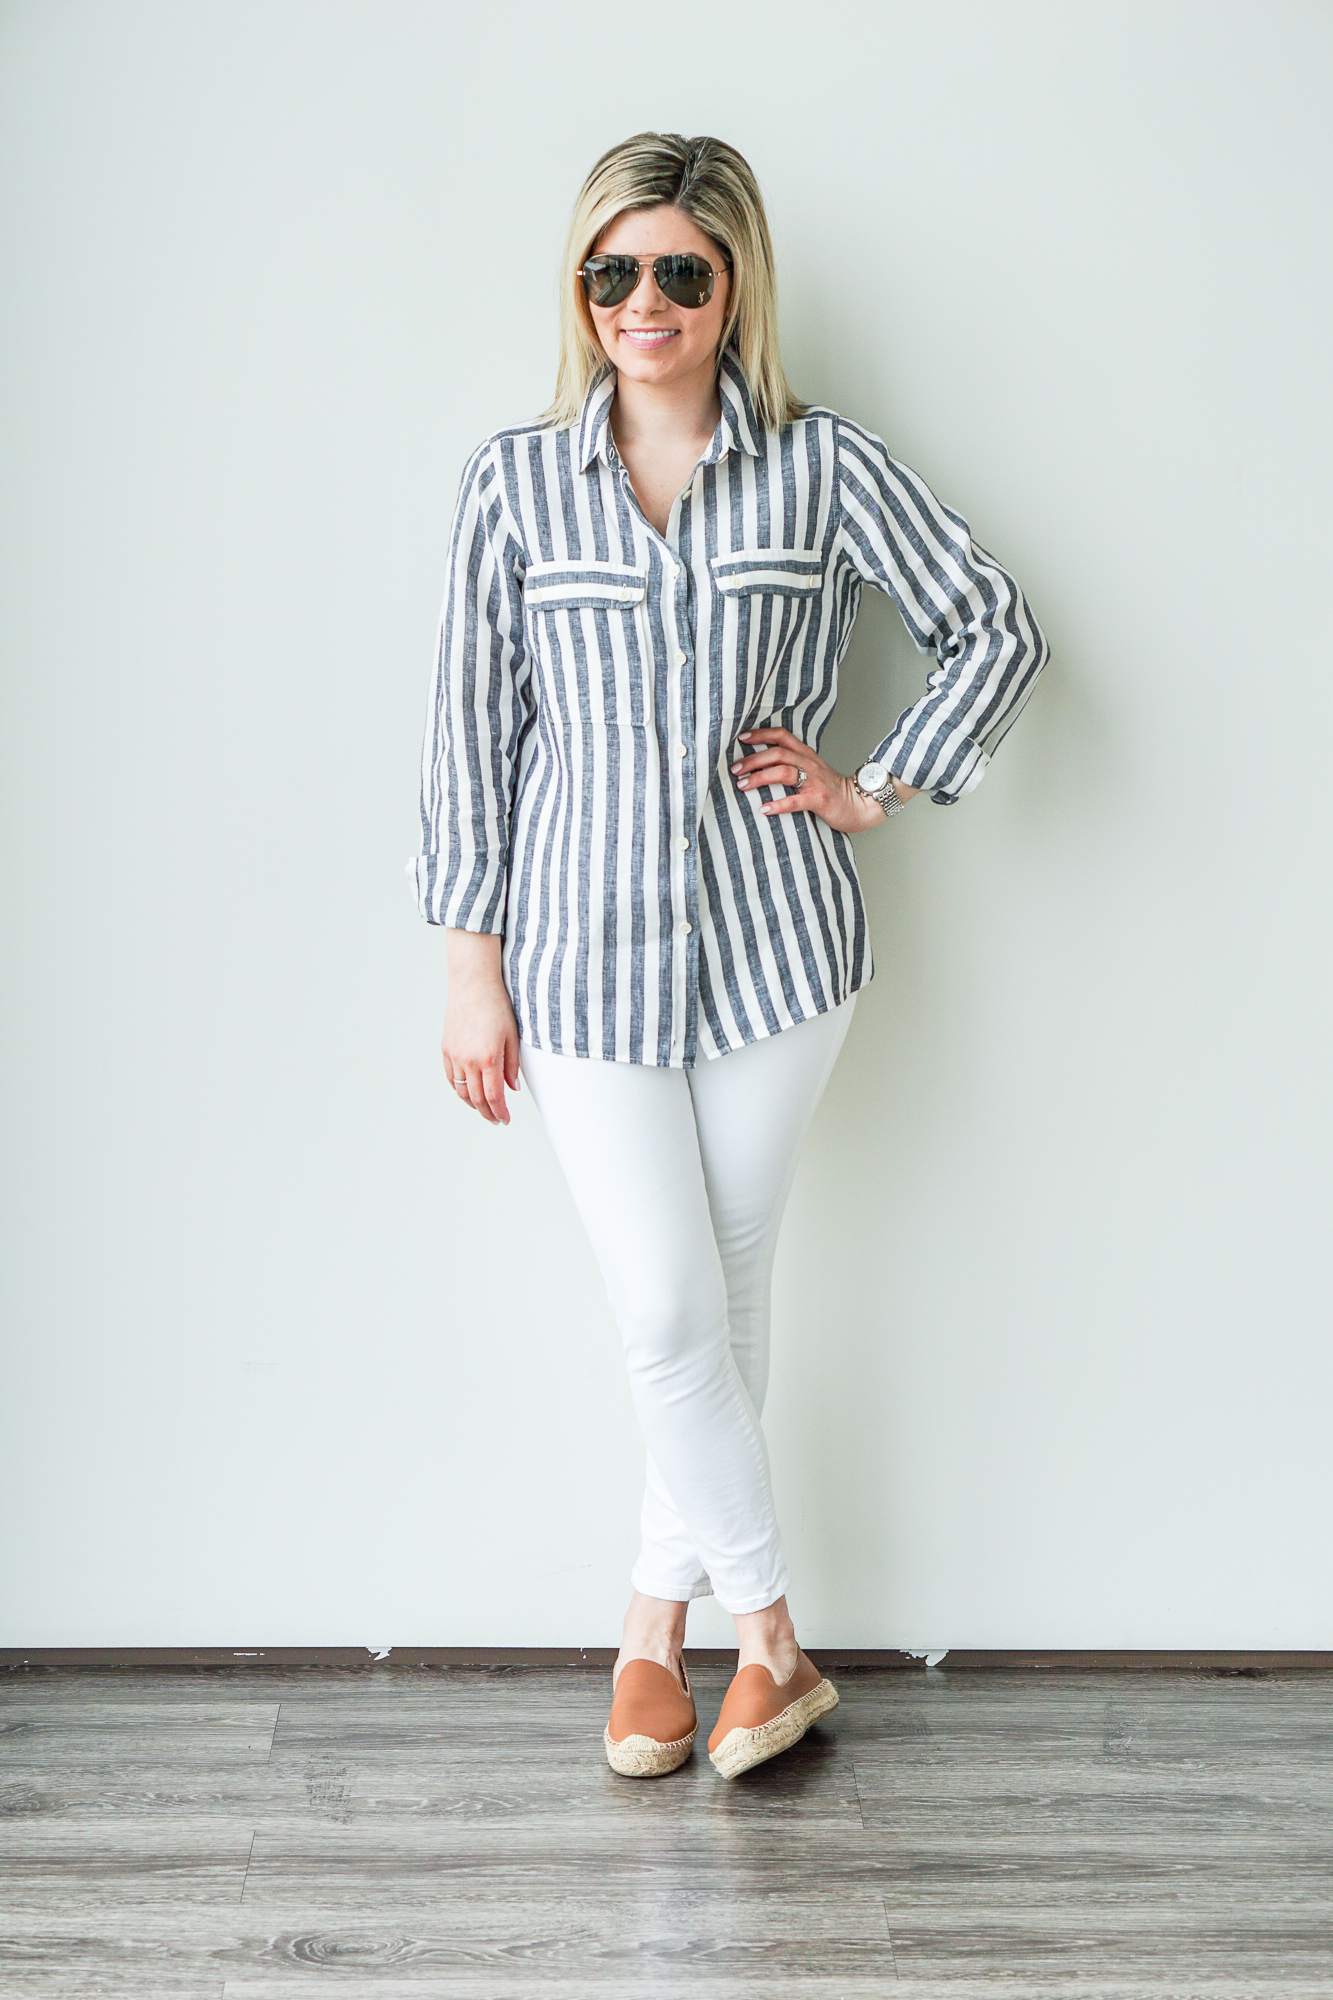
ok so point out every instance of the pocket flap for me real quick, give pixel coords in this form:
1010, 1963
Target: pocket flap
789, 572
572, 586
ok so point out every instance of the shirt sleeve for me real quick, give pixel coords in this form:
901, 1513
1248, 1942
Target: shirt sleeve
956, 602
476, 714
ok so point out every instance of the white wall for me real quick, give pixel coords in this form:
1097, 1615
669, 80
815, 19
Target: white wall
298, 1352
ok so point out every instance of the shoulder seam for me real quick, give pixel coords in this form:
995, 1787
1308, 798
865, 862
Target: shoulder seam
490, 450
535, 428
861, 431
837, 480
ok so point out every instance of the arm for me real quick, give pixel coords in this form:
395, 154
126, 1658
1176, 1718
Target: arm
474, 726
956, 602
475, 715
480, 1040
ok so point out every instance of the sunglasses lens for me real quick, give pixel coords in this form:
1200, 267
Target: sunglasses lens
685, 280
609, 280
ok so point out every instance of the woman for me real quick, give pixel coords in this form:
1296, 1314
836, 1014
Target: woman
642, 859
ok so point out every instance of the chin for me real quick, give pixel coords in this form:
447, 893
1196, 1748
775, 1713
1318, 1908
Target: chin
652, 367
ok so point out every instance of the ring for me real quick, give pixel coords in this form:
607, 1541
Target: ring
800, 775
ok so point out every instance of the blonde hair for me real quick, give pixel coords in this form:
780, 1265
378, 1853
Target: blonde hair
710, 182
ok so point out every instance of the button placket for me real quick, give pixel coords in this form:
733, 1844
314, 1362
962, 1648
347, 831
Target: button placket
681, 781
681, 788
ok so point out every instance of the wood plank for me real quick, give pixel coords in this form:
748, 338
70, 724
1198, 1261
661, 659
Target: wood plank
1221, 1945
75, 1869
628, 1950
502, 1986
38, 1734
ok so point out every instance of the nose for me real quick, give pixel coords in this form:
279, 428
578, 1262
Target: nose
646, 296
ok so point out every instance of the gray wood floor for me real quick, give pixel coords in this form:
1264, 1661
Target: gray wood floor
250, 1835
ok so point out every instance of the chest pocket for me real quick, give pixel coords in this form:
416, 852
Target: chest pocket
769, 572
587, 628
770, 601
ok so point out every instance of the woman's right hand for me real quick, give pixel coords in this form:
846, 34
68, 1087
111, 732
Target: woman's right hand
480, 1040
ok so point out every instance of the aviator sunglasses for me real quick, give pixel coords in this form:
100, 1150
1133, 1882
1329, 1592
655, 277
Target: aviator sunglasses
683, 278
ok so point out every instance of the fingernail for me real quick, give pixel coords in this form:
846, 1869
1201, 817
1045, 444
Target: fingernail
742, 782
744, 736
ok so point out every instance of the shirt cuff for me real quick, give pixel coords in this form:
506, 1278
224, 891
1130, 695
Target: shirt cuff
948, 768
460, 911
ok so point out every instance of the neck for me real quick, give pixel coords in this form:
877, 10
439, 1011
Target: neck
665, 413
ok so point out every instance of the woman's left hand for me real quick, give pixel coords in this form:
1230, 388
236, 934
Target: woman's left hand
776, 757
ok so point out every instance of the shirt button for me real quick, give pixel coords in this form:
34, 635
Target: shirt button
682, 840
681, 751
683, 929
678, 657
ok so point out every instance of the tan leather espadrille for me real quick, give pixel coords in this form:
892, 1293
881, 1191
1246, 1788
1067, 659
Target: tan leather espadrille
761, 1716
653, 1722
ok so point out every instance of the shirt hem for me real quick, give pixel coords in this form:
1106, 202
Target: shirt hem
761, 1034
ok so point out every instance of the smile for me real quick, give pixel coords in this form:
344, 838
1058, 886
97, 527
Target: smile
646, 339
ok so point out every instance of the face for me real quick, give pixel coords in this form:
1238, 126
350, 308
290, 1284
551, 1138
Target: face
645, 336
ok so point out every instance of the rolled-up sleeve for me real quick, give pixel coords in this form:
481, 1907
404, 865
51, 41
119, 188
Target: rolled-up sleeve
957, 603
475, 715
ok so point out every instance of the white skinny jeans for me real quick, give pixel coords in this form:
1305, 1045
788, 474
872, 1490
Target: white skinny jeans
681, 1177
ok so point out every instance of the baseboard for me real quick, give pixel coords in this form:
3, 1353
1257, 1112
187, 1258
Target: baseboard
362, 1659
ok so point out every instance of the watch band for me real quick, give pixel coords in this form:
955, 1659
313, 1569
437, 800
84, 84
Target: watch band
884, 795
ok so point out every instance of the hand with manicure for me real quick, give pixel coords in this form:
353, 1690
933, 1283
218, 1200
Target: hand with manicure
776, 757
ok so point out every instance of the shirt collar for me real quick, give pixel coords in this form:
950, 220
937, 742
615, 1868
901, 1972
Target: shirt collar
738, 427
595, 423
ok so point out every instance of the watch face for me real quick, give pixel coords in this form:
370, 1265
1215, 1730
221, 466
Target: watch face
872, 777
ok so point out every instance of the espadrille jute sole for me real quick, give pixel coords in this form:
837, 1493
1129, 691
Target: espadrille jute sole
741, 1749
644, 1756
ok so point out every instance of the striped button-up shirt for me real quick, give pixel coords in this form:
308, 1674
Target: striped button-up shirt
591, 678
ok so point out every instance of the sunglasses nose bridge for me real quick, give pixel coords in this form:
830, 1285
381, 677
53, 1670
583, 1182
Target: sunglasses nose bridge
647, 277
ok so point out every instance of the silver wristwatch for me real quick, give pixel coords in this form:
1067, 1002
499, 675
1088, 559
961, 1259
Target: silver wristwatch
874, 780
